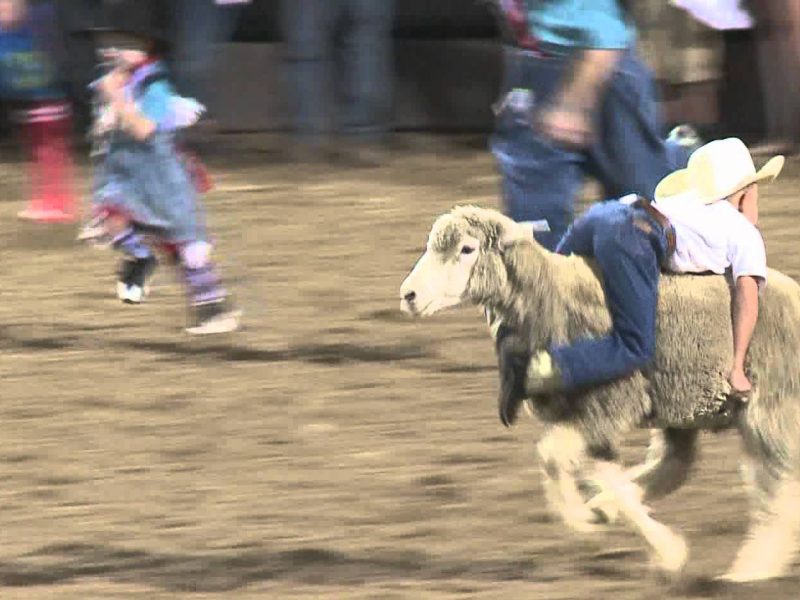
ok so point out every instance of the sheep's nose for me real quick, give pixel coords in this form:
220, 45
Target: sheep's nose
410, 296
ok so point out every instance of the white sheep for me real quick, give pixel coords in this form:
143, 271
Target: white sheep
479, 256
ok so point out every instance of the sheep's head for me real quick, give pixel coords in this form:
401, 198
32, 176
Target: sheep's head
462, 261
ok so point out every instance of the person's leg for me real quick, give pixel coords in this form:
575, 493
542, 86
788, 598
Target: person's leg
138, 263
210, 307
202, 280
228, 20
778, 65
629, 263
793, 60
79, 62
195, 27
308, 26
579, 238
512, 350
126, 239
367, 54
630, 154
540, 179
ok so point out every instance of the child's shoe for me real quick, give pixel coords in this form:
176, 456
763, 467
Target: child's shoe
214, 317
134, 275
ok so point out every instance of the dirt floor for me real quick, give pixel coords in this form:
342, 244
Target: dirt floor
331, 449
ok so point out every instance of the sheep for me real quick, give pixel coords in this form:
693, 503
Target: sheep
478, 256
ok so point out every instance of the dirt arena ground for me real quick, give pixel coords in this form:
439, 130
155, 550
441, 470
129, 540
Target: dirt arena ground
331, 449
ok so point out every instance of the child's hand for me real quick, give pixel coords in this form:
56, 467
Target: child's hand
105, 122
739, 382
112, 85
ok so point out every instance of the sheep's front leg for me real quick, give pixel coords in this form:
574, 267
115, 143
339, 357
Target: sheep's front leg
562, 451
668, 549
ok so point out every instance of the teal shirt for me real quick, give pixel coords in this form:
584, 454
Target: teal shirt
563, 25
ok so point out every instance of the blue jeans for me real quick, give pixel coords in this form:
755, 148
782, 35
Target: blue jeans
366, 56
630, 247
541, 179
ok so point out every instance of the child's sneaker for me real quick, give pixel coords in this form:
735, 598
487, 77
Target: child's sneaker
214, 317
134, 275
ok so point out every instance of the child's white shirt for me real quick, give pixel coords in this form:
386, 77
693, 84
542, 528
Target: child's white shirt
713, 237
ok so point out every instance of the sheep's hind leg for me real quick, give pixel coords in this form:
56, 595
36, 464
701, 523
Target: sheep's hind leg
563, 453
670, 455
774, 490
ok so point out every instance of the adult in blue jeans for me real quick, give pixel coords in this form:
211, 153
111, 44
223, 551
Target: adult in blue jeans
365, 82
578, 100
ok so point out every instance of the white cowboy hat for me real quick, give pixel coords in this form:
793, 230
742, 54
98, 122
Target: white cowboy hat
715, 171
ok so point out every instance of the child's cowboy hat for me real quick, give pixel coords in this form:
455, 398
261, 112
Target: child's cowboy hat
715, 171
141, 18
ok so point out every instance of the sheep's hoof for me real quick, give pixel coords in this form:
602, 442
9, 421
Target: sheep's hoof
670, 556
747, 576
603, 502
583, 522
604, 507
600, 501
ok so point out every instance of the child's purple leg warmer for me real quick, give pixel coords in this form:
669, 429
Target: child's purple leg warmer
132, 243
203, 282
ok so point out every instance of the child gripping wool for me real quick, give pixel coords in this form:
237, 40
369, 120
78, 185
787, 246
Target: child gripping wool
144, 189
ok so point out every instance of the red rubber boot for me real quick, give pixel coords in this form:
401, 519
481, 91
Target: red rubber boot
46, 129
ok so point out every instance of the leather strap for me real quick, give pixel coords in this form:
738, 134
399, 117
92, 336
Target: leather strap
659, 218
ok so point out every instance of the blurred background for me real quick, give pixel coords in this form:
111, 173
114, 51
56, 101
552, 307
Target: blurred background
331, 448
445, 61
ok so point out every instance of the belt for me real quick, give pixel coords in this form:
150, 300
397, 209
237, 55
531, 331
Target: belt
527, 49
661, 219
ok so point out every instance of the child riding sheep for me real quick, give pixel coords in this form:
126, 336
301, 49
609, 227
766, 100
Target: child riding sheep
703, 220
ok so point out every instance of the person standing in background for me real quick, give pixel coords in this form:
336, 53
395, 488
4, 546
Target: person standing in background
311, 28
198, 26
777, 34
31, 83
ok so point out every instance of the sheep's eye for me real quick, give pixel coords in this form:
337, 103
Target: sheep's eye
467, 250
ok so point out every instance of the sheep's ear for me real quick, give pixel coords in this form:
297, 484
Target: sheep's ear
512, 233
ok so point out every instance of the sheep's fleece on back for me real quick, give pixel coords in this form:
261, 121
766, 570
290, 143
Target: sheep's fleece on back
694, 352
687, 383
